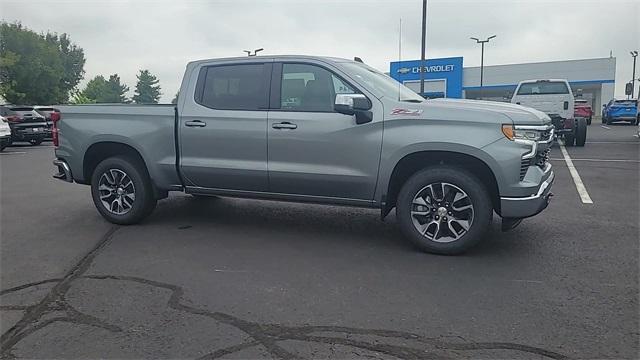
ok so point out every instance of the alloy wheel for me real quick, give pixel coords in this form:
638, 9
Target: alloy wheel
442, 212
117, 192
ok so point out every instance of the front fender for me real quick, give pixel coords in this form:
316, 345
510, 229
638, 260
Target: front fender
389, 163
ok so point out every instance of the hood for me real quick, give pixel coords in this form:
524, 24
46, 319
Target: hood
489, 111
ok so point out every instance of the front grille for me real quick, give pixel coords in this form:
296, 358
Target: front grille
524, 166
542, 157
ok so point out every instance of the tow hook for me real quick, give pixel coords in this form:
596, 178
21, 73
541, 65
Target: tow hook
549, 196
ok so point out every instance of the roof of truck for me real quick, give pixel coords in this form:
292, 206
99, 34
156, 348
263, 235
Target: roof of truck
270, 57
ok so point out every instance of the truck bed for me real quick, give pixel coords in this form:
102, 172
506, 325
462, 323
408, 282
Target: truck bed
148, 129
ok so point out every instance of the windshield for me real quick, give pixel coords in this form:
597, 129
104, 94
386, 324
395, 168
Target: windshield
625, 102
388, 86
543, 88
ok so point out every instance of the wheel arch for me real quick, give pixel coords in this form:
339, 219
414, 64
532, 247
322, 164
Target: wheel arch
413, 162
102, 150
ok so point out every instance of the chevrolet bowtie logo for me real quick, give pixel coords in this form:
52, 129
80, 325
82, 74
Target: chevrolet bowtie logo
404, 70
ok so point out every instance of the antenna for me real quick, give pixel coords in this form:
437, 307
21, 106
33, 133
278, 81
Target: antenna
399, 54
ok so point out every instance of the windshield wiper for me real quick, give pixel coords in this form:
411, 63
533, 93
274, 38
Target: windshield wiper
412, 100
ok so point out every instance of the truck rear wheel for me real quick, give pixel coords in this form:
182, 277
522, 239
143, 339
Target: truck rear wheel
581, 132
122, 191
444, 210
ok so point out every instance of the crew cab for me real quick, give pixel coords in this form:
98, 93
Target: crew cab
314, 129
554, 97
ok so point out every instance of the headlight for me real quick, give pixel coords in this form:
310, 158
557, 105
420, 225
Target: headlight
523, 133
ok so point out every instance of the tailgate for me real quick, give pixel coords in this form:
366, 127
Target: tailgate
544, 103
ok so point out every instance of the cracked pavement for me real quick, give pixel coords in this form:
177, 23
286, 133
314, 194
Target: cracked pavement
233, 278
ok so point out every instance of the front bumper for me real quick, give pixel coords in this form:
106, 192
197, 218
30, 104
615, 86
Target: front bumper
522, 207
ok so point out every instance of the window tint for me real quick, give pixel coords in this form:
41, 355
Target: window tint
310, 88
234, 87
543, 88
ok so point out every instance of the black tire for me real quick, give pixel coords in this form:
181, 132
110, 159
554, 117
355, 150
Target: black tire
603, 120
144, 201
569, 140
581, 132
2, 147
478, 196
36, 141
589, 120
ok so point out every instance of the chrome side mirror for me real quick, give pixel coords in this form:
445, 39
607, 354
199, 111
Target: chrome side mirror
354, 104
349, 104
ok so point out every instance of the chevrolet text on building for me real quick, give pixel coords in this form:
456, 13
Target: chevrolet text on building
427, 69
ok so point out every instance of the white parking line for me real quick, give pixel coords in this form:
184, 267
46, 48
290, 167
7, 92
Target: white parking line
601, 160
582, 190
631, 142
12, 152
605, 127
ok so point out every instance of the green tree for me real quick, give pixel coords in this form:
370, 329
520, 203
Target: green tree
147, 89
100, 90
37, 68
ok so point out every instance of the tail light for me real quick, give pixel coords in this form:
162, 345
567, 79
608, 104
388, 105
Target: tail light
14, 119
55, 117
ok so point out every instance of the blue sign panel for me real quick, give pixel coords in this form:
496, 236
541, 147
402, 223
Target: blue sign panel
449, 70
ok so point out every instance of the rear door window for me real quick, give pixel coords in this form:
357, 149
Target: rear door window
233, 87
543, 88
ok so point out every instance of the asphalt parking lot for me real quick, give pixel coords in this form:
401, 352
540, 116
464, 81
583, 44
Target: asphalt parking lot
234, 278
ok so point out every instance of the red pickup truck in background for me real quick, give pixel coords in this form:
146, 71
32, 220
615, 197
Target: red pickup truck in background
582, 109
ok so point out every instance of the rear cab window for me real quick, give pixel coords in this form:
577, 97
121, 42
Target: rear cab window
233, 87
543, 88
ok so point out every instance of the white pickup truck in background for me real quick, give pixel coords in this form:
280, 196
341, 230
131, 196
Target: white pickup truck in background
553, 97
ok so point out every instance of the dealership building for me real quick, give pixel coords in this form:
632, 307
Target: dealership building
590, 79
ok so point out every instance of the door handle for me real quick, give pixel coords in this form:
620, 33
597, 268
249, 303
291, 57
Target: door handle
284, 125
195, 123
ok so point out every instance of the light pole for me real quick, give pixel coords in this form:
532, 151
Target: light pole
633, 78
482, 42
255, 52
424, 40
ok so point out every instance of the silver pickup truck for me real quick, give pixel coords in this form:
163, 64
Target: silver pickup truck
315, 129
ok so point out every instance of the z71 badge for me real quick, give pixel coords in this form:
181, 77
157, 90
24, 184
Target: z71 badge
411, 112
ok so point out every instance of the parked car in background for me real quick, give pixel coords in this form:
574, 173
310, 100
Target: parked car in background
554, 97
620, 110
46, 111
26, 124
582, 109
5, 133
337, 132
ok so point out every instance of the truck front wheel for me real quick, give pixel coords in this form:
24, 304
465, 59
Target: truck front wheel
122, 191
444, 210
